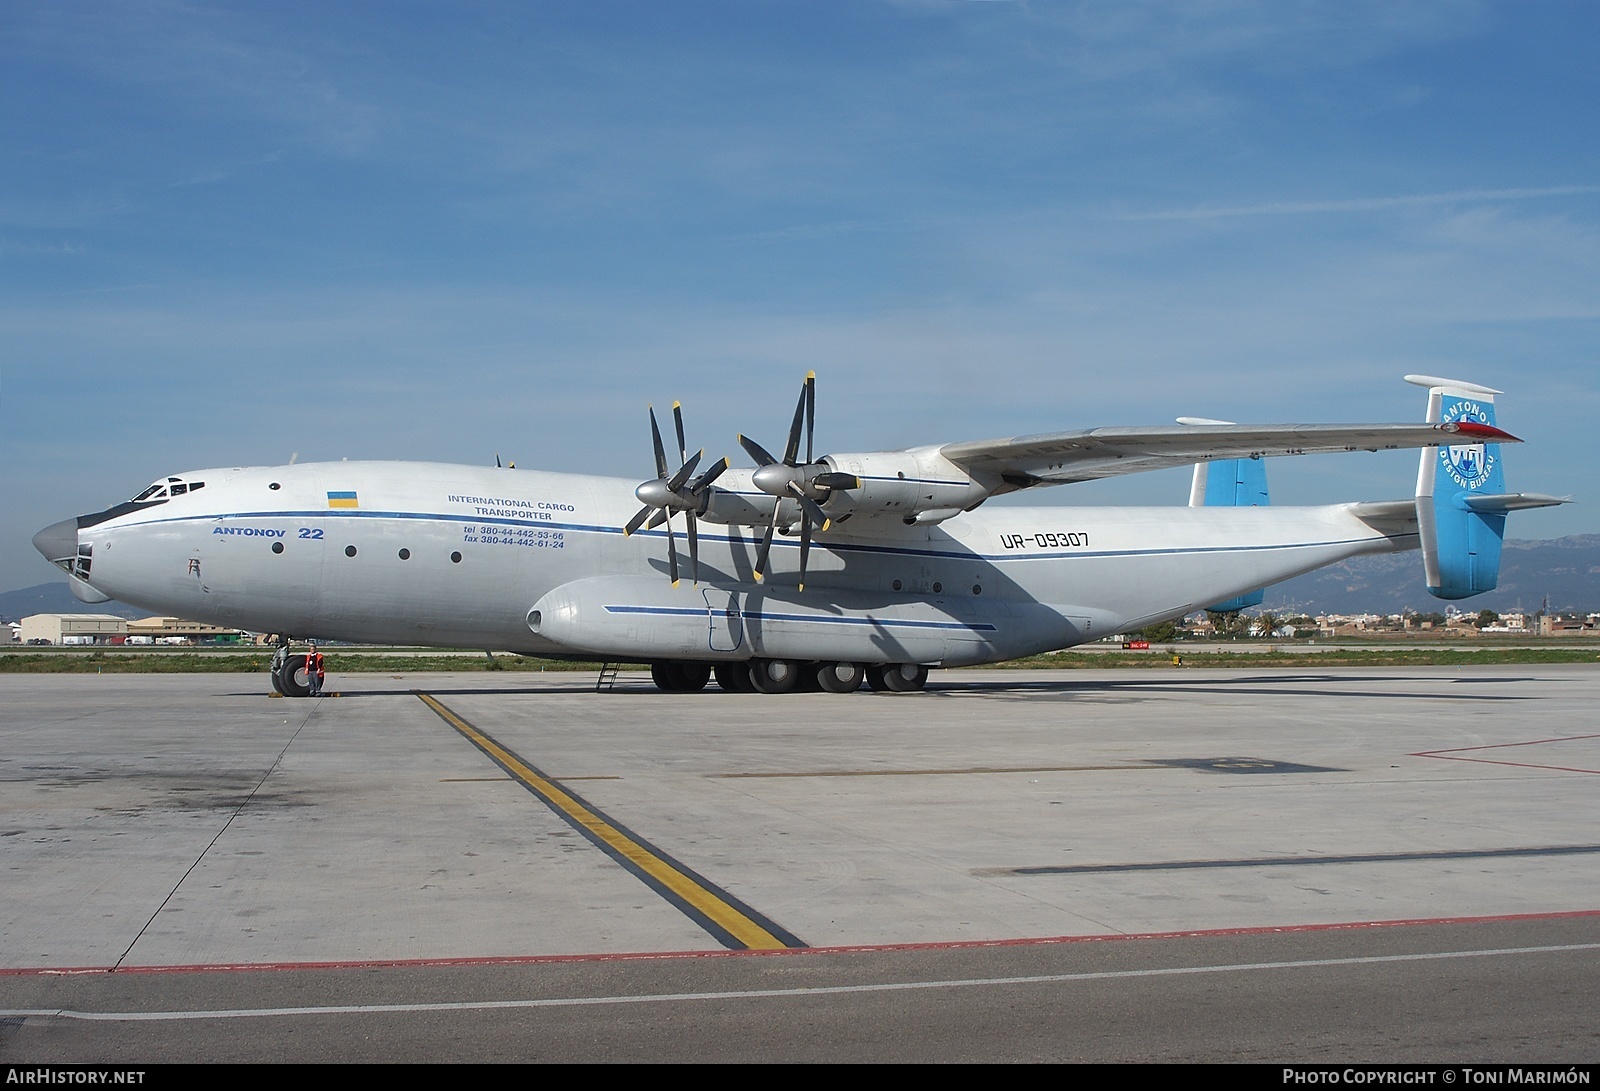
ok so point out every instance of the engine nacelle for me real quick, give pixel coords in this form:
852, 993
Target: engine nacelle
734, 499
915, 486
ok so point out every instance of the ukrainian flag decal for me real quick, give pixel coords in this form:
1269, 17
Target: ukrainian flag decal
342, 500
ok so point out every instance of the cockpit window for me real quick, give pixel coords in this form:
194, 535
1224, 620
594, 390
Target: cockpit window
162, 490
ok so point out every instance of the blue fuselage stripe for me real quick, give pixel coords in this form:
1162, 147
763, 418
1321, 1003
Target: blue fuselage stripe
825, 543
759, 615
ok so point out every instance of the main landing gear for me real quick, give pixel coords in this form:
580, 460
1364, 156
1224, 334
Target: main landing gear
788, 676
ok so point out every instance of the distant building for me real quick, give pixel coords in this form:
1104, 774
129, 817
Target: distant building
1569, 625
74, 629
174, 630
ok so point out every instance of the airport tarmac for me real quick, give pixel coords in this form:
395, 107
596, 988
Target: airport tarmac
465, 847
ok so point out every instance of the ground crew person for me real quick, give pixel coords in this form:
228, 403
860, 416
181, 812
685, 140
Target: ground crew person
314, 672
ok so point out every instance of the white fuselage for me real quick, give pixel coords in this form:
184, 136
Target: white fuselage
533, 562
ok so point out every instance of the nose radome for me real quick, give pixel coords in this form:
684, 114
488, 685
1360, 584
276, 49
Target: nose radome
58, 541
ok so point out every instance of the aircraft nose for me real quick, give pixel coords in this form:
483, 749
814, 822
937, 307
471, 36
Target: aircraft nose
58, 541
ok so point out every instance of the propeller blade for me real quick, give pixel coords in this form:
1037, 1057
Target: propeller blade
694, 549
637, 520
677, 420
836, 481
657, 519
684, 471
766, 546
811, 409
812, 509
756, 451
672, 553
791, 449
661, 454
702, 482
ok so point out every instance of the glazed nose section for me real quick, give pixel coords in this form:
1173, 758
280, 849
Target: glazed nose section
59, 543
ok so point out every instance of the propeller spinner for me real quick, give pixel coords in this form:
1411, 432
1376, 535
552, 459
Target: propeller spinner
808, 482
663, 494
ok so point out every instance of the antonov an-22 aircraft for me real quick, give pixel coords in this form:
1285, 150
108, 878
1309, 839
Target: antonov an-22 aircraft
813, 572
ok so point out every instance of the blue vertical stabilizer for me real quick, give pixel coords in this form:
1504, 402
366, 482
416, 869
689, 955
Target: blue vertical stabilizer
1461, 499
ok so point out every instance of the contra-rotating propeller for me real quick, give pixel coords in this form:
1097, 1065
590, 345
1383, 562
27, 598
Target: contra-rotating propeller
808, 482
662, 495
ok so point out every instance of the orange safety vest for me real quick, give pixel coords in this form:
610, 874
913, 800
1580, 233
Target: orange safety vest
314, 663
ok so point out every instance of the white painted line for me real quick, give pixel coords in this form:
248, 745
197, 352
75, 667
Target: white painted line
764, 994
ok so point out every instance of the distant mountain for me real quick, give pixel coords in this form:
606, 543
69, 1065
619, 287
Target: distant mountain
1566, 571
54, 598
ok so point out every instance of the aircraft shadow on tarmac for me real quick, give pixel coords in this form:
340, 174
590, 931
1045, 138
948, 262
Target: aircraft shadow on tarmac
1278, 685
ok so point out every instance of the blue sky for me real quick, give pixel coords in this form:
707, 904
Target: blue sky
232, 233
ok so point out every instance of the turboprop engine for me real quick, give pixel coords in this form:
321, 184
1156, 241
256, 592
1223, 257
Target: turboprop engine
915, 486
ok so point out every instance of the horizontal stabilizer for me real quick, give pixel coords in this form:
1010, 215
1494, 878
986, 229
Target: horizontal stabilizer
1514, 501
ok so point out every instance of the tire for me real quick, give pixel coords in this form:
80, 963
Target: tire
694, 676
291, 680
904, 677
277, 684
774, 675
840, 677
733, 677
680, 677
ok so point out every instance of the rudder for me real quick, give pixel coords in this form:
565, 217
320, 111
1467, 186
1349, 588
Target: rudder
1461, 501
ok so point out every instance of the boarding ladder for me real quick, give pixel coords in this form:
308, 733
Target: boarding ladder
607, 678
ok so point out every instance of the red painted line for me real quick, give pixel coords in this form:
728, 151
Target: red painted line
1503, 745
1512, 764
1450, 754
803, 952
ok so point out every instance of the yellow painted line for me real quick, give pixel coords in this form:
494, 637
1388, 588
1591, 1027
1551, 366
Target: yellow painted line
735, 925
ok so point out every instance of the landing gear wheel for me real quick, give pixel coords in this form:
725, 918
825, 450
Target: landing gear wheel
734, 677
680, 677
291, 679
896, 677
694, 675
840, 677
280, 652
774, 675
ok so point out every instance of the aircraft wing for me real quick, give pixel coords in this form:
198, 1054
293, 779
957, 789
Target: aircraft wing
1060, 458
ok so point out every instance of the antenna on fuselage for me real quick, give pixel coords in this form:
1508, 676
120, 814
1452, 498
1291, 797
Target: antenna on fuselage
293, 457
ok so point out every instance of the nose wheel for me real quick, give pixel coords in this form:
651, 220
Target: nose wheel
289, 671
